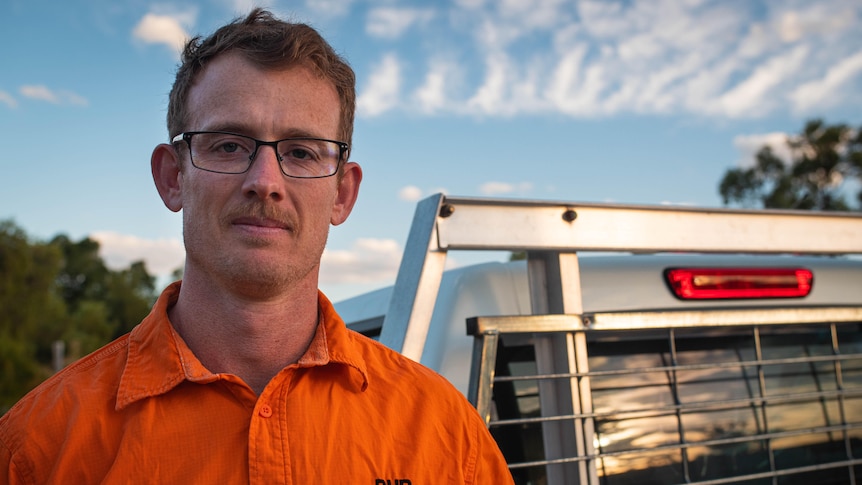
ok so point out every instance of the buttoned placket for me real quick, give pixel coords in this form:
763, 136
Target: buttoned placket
268, 445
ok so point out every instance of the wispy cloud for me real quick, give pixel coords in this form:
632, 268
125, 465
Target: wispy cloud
367, 261
383, 89
166, 28
243, 7
591, 58
41, 92
441, 77
751, 95
504, 188
410, 193
161, 256
8, 99
749, 145
391, 22
829, 90
802, 19
330, 8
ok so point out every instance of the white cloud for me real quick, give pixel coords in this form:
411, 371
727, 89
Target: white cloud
161, 256
700, 92
243, 7
506, 90
367, 261
470, 4
679, 204
595, 58
43, 93
329, 7
821, 93
815, 18
410, 193
603, 19
391, 22
168, 29
8, 99
383, 89
432, 96
535, 14
790, 27
503, 188
749, 145
749, 98
72, 98
509, 21
573, 86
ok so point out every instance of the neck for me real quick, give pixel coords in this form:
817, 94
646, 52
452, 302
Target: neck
253, 339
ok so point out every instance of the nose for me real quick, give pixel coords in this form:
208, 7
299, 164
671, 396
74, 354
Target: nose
264, 178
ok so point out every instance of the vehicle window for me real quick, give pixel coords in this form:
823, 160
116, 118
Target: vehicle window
719, 405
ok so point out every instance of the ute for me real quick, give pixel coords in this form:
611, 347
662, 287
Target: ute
640, 344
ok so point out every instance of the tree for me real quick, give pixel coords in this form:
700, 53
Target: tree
824, 158
60, 290
83, 275
131, 293
30, 310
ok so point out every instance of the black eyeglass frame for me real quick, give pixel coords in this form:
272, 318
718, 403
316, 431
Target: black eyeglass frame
343, 151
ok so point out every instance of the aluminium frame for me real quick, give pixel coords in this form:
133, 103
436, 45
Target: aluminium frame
552, 234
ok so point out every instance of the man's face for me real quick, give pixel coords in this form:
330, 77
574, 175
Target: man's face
260, 233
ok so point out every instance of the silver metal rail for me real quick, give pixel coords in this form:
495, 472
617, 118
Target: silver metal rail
490, 331
552, 234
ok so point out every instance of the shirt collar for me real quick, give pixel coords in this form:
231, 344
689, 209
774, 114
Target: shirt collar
159, 360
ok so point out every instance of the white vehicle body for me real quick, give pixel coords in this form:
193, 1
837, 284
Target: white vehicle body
591, 369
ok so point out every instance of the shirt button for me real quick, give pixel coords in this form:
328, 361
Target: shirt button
265, 411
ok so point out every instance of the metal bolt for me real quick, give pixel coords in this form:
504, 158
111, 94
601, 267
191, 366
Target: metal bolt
570, 215
447, 210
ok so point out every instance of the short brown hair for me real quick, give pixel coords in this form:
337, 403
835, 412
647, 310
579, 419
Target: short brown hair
269, 43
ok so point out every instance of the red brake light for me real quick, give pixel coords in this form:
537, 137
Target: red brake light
729, 283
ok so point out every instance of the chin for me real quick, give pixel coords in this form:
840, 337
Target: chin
265, 281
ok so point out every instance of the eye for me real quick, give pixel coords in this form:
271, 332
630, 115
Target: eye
299, 154
228, 147
300, 151
223, 144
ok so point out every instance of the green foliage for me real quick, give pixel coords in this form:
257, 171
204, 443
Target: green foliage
128, 296
60, 290
89, 328
29, 306
83, 274
824, 158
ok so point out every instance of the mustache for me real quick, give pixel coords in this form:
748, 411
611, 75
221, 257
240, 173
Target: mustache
261, 211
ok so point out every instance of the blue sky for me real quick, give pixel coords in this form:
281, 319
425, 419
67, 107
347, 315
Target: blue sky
645, 102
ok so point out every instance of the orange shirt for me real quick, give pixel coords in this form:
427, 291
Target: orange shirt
144, 410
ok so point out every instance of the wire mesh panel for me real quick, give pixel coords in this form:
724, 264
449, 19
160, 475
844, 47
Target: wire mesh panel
753, 404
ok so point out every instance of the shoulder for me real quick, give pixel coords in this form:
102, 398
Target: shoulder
88, 385
421, 400
412, 389
391, 367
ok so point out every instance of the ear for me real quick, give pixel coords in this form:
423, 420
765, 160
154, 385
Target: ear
347, 192
165, 164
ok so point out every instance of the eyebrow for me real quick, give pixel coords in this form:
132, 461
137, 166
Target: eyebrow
243, 129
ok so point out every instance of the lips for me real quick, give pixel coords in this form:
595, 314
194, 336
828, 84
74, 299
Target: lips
258, 217
260, 222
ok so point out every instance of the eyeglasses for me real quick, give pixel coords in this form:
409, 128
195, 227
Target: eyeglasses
223, 152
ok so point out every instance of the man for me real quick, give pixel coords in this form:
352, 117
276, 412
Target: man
244, 373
